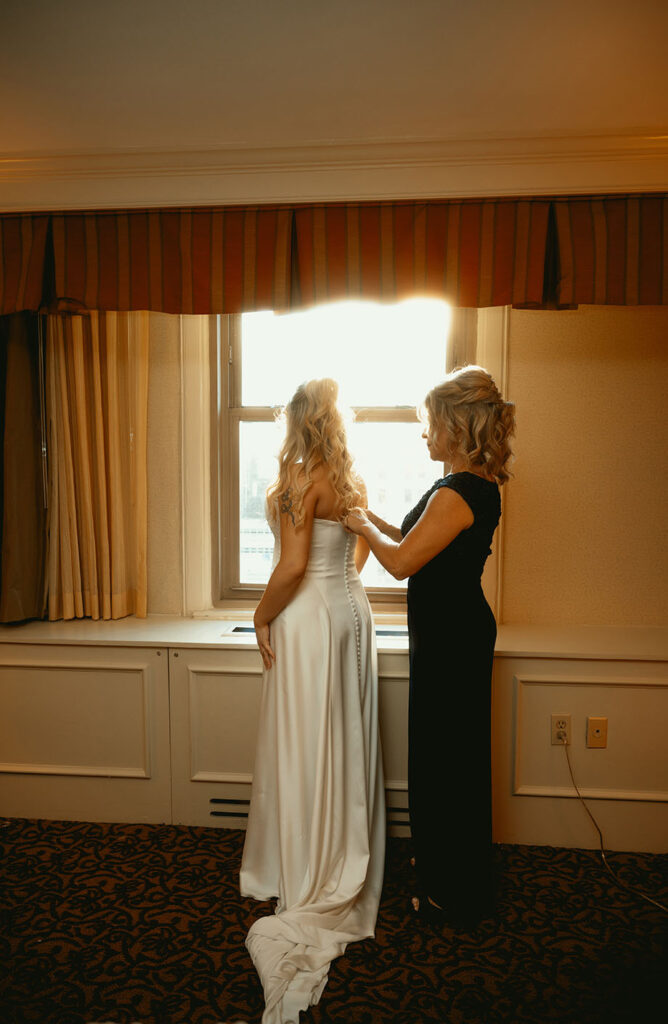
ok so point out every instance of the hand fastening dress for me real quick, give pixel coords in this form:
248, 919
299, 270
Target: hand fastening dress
316, 828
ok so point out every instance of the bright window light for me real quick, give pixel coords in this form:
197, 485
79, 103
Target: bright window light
385, 357
381, 355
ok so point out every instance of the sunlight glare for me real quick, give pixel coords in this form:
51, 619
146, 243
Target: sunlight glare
381, 355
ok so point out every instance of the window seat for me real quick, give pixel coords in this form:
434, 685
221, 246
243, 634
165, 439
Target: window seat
608, 643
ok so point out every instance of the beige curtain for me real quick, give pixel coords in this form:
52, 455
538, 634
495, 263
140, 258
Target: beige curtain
97, 403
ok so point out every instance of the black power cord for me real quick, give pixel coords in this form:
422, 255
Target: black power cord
636, 892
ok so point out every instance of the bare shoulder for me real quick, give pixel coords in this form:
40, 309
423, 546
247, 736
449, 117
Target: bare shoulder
297, 478
289, 498
320, 485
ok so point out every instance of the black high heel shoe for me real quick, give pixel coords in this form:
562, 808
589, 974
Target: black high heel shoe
426, 910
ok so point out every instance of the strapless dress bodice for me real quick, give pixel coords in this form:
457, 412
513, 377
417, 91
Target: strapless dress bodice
332, 548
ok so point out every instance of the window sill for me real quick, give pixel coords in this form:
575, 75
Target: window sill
383, 614
161, 631
601, 643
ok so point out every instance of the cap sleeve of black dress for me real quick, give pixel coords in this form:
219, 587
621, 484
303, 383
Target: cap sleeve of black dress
472, 488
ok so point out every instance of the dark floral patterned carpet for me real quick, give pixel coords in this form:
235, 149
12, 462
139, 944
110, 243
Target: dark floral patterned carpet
144, 923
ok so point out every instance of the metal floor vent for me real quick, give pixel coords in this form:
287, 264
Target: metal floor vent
233, 808
397, 816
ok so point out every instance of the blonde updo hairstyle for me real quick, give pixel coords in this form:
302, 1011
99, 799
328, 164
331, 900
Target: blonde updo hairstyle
315, 435
479, 424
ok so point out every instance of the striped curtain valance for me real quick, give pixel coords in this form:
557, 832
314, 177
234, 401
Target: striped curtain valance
540, 252
477, 253
612, 251
174, 261
22, 255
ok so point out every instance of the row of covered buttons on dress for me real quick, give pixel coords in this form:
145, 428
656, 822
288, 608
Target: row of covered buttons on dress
349, 540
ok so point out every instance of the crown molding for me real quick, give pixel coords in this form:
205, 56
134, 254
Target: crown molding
334, 171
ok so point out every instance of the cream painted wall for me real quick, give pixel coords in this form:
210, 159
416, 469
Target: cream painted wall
166, 103
165, 75
165, 562
585, 517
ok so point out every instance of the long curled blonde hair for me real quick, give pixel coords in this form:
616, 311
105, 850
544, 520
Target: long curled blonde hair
479, 424
315, 436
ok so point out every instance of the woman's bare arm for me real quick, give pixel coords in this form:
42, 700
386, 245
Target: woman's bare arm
393, 532
288, 573
445, 516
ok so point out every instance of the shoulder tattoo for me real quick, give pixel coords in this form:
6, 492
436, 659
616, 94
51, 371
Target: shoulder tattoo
286, 504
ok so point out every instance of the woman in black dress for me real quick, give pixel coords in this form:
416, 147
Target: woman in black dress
442, 547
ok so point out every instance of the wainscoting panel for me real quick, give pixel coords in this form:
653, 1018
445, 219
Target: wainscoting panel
108, 736
84, 732
215, 703
633, 766
625, 784
393, 714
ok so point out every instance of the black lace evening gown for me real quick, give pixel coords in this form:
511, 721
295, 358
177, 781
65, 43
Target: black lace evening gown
452, 634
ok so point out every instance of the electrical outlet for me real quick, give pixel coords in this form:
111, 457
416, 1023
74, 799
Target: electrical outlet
560, 724
597, 732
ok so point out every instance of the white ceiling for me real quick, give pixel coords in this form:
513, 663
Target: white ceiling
107, 81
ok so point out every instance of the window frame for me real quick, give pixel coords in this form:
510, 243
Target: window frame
458, 347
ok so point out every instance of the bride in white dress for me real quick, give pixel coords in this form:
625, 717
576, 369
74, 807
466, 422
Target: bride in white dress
316, 828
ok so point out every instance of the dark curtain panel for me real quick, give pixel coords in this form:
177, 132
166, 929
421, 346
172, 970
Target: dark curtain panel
22, 512
23, 248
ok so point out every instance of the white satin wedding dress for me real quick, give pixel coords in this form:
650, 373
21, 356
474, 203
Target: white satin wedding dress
316, 827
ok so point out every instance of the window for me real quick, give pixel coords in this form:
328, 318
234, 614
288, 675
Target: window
385, 358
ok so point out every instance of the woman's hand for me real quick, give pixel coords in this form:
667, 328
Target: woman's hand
262, 637
356, 520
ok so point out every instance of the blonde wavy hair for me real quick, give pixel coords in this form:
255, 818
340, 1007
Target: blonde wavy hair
315, 436
479, 424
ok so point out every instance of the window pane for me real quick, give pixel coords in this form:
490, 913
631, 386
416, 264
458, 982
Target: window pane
384, 355
391, 457
258, 447
394, 462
